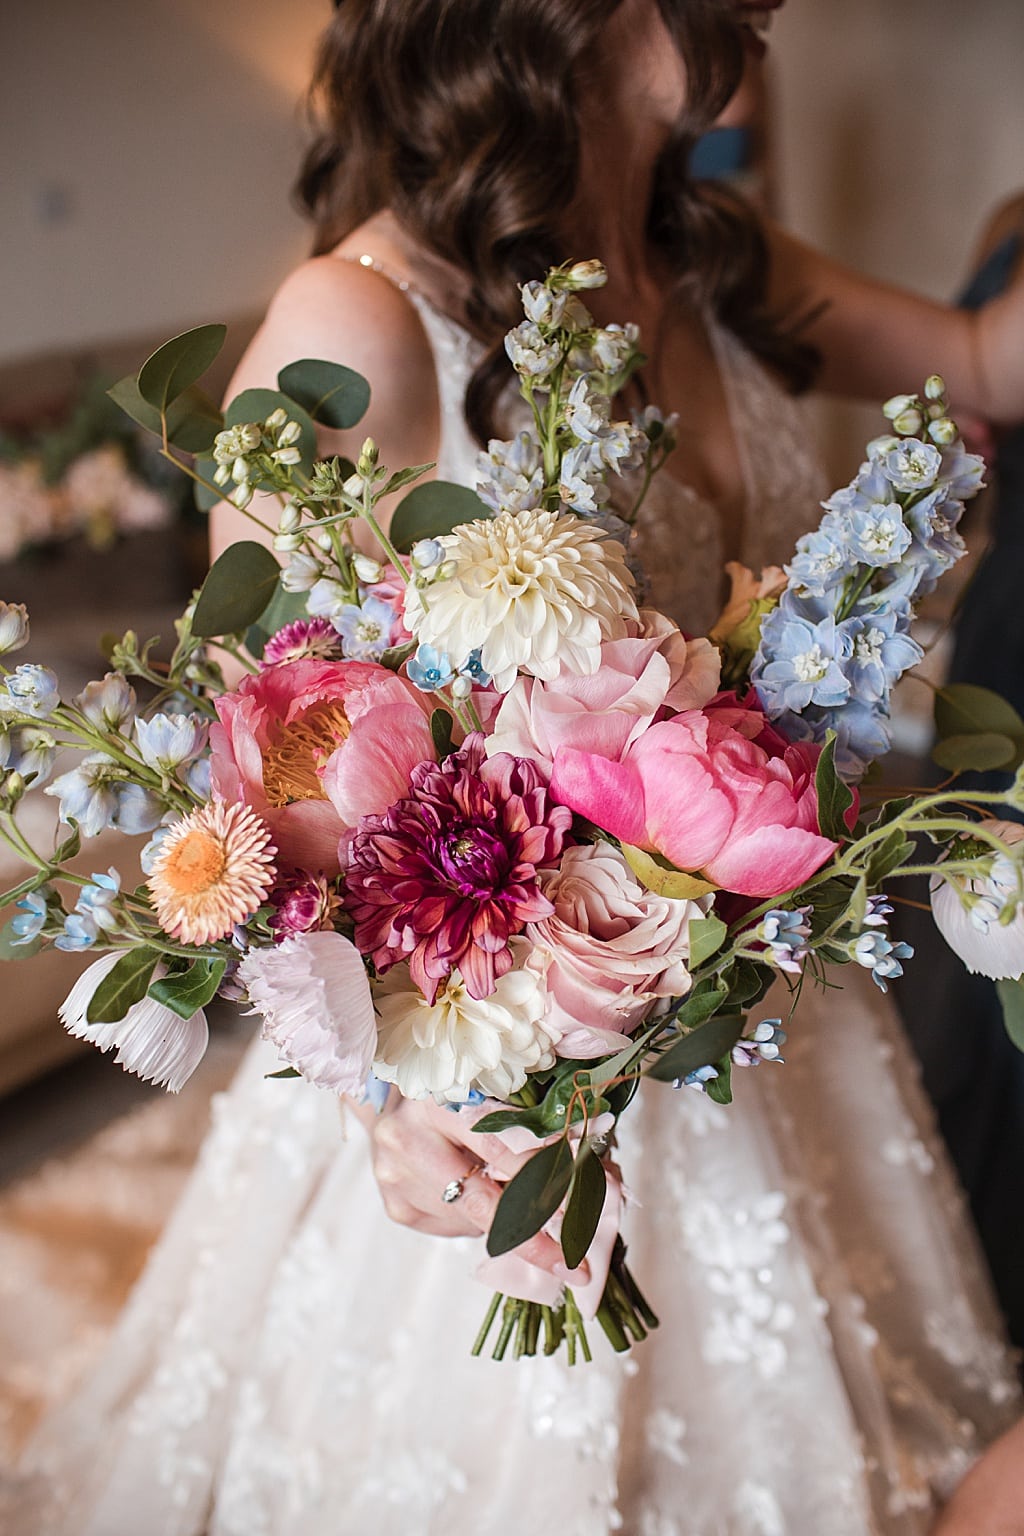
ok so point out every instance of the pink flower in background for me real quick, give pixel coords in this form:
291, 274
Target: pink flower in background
608, 950
304, 638
451, 871
313, 745
303, 903
640, 680
706, 797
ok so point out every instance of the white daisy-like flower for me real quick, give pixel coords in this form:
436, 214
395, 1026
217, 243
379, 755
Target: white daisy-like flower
152, 1041
531, 591
967, 913
445, 1048
314, 996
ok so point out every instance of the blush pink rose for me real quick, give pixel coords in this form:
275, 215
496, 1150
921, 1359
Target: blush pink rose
640, 679
313, 745
608, 951
708, 798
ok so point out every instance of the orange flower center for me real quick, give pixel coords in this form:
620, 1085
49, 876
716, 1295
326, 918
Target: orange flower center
293, 764
194, 864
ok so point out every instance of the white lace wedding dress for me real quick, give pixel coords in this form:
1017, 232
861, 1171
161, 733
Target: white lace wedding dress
829, 1360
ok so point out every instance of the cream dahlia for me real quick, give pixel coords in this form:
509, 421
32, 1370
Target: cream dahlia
213, 869
529, 590
458, 1042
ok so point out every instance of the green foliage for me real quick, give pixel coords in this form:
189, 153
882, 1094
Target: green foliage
206, 496
719, 1089
334, 396
886, 856
257, 405
707, 935
658, 875
185, 992
124, 985
834, 797
584, 1205
237, 590
13, 949
531, 1198
432, 509
549, 1115
1011, 996
193, 420
174, 367
702, 1047
283, 608
966, 710
441, 724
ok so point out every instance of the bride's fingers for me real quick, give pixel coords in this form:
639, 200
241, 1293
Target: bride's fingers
478, 1203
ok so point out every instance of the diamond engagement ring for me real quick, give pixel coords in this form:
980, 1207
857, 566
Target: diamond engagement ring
452, 1191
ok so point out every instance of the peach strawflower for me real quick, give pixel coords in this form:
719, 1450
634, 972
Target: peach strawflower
214, 869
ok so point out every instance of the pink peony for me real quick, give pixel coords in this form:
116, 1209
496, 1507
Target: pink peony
313, 745
641, 679
450, 872
707, 797
608, 951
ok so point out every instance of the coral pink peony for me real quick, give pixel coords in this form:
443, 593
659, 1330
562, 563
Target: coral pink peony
313, 745
608, 951
450, 872
703, 794
640, 680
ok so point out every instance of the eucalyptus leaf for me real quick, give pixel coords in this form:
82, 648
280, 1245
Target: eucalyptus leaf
1011, 996
661, 877
701, 1005
206, 497
432, 509
284, 608
186, 992
701, 1048
834, 797
335, 396
584, 1206
236, 591
978, 753
172, 368
719, 1089
965, 709
124, 985
193, 420
531, 1198
748, 982
441, 725
257, 404
707, 934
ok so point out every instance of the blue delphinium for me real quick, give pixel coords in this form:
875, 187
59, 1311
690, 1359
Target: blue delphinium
839, 640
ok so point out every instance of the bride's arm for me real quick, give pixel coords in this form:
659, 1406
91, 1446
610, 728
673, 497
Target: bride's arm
990, 1500
878, 340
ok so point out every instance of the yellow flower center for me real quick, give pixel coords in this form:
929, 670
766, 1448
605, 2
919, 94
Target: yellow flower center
293, 764
194, 864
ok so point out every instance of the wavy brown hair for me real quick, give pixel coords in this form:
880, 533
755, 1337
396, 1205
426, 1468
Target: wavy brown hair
461, 117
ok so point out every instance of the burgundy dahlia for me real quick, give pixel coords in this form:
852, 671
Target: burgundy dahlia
447, 875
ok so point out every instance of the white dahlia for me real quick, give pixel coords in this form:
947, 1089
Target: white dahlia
529, 590
458, 1042
968, 912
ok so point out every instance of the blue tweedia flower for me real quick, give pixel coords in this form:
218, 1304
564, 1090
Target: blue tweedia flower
32, 919
806, 662
786, 934
472, 669
881, 651
365, 629
429, 669
30, 690
879, 955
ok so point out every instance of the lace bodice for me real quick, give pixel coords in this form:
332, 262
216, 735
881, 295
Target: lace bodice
678, 537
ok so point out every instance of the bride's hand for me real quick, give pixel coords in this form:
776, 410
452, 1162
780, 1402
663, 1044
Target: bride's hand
990, 1500
418, 1149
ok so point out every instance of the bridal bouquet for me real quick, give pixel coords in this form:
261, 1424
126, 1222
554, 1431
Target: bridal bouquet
478, 825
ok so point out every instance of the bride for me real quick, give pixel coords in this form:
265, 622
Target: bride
830, 1362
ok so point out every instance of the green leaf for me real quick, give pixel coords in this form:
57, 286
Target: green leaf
11, 948
987, 749
193, 420
333, 395
658, 875
702, 1048
1011, 996
396, 655
257, 404
404, 477
965, 709
702, 1004
69, 847
584, 1206
284, 1072
172, 368
188, 991
719, 1089
748, 982
236, 591
887, 856
531, 1198
283, 608
123, 986
834, 797
441, 724
550, 1114
203, 496
707, 935
432, 509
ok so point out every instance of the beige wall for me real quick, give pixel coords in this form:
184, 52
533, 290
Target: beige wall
148, 148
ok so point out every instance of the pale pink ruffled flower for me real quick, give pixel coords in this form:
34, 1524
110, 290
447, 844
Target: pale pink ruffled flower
967, 912
152, 1041
314, 996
